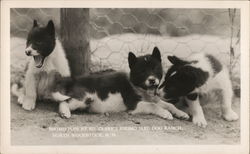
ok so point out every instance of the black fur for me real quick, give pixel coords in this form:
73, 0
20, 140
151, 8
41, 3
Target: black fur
192, 96
105, 82
42, 39
144, 66
181, 78
216, 65
102, 84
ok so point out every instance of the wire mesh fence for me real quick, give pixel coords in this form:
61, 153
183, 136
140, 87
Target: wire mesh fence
115, 32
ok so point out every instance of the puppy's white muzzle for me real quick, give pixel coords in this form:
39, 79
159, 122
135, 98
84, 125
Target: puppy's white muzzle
152, 81
29, 51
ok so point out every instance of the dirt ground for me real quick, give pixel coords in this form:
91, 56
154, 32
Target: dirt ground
38, 128
43, 126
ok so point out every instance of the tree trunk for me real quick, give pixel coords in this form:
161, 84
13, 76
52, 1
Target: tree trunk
75, 39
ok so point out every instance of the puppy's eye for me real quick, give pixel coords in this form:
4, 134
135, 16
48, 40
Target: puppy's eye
38, 43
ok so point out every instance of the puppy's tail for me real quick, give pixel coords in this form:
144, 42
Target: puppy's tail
16, 90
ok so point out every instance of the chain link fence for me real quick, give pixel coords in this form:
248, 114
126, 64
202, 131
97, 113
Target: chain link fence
115, 32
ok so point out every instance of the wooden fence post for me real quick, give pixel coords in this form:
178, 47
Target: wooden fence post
75, 39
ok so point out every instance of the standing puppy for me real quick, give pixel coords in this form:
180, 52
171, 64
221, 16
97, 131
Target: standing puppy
47, 59
194, 76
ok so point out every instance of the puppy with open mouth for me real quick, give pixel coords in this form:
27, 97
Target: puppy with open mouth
47, 59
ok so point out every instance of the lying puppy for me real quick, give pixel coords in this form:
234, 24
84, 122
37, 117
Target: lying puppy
113, 91
48, 57
193, 77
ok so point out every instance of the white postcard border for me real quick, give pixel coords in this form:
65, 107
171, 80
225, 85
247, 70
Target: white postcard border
6, 146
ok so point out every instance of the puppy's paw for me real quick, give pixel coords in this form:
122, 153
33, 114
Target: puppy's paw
64, 110
182, 115
230, 116
166, 115
28, 103
200, 121
20, 99
65, 114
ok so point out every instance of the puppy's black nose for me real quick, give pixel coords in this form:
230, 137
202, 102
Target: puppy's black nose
151, 81
28, 52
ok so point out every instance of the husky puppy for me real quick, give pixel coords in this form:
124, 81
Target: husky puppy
113, 91
47, 58
194, 76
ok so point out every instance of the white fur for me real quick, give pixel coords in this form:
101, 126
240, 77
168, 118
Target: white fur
221, 81
64, 110
114, 103
197, 113
32, 51
55, 61
18, 92
72, 104
147, 82
77, 104
172, 73
59, 97
152, 108
170, 107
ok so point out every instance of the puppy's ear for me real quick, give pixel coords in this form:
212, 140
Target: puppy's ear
156, 53
35, 23
177, 61
51, 28
131, 59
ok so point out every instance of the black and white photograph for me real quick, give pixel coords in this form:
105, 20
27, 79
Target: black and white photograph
126, 76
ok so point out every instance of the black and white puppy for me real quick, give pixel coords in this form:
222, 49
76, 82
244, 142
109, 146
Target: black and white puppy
47, 58
112, 91
194, 76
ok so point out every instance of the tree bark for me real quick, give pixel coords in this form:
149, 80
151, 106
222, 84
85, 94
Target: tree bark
75, 39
